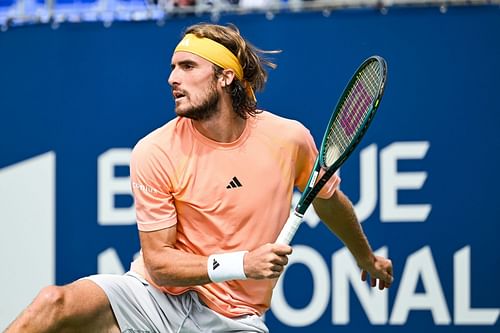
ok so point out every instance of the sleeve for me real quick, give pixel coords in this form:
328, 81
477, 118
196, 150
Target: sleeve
306, 156
151, 188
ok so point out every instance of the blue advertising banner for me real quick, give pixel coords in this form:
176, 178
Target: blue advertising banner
75, 100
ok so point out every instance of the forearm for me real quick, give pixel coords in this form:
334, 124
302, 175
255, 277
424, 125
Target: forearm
168, 266
338, 214
172, 267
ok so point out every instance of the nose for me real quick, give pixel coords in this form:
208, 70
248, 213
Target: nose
173, 78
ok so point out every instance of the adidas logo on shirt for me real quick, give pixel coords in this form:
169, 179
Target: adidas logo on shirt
215, 264
234, 183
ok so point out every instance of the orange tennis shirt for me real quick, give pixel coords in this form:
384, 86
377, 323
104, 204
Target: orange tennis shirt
222, 197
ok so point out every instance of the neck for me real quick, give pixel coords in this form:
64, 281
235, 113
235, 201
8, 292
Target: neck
225, 126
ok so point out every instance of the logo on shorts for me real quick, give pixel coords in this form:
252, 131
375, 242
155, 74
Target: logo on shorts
215, 264
234, 183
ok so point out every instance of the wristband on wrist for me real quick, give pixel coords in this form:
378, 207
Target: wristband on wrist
226, 266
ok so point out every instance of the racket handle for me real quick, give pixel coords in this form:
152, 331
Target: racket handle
289, 229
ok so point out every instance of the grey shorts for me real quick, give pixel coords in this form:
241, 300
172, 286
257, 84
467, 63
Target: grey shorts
140, 307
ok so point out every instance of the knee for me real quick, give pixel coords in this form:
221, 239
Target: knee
51, 304
44, 313
52, 297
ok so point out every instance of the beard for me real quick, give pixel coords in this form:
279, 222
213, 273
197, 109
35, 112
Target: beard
205, 110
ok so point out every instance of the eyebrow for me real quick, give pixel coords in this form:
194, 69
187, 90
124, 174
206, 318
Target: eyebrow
183, 62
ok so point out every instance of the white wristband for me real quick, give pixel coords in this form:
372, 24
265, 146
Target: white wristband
226, 266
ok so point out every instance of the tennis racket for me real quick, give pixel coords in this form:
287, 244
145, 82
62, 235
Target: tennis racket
350, 120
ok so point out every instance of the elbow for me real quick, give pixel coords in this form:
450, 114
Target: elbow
156, 276
159, 272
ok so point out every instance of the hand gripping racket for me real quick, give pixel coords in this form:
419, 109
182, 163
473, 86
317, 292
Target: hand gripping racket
350, 120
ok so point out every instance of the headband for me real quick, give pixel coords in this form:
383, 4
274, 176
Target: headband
216, 53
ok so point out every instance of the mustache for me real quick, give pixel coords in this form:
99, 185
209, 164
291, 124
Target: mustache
179, 92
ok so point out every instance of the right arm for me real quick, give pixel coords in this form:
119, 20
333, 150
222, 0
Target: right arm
169, 266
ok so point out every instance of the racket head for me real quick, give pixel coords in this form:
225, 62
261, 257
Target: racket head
354, 112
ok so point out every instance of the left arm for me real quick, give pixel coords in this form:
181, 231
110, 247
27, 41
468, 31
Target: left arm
338, 214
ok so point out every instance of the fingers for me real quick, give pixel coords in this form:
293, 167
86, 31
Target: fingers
279, 260
267, 261
385, 278
381, 285
391, 275
278, 268
282, 249
381, 271
388, 277
279, 257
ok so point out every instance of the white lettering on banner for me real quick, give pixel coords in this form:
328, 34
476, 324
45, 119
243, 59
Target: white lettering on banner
346, 272
391, 181
463, 314
108, 186
302, 317
108, 262
419, 265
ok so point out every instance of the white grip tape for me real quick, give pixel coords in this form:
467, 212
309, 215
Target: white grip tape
289, 229
226, 266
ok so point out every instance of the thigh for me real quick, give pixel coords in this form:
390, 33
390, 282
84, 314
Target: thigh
88, 308
138, 306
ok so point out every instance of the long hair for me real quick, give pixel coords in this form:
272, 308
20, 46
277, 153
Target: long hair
250, 58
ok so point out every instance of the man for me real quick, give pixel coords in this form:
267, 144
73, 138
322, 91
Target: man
212, 190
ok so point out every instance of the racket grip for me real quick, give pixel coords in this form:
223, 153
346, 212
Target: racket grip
289, 229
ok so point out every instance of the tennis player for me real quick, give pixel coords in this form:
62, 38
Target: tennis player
212, 190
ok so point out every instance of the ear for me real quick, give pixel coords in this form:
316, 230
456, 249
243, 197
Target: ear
227, 77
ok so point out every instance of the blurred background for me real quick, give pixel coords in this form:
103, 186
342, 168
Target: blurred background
82, 81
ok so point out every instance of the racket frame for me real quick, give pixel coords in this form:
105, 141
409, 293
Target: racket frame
313, 187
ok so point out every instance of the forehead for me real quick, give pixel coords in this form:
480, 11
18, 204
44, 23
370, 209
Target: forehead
182, 56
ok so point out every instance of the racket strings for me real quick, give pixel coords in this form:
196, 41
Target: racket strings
354, 109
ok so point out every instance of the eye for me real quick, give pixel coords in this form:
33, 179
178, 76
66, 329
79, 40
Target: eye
187, 66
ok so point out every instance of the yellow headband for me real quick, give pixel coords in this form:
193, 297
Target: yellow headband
216, 53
